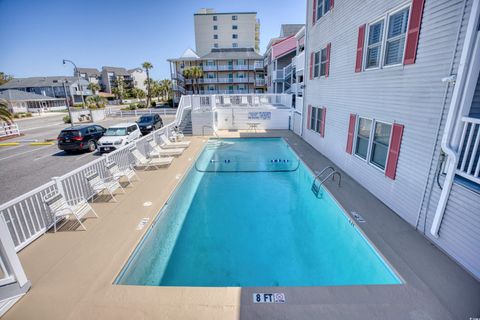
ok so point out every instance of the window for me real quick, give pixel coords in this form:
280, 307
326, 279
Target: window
323, 6
363, 137
323, 62
214, 18
316, 66
381, 140
373, 145
385, 40
215, 45
215, 27
374, 45
396, 35
215, 36
234, 45
234, 36
234, 17
316, 119
234, 27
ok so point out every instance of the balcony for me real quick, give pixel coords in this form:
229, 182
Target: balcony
469, 150
225, 67
277, 75
209, 68
259, 82
258, 65
299, 61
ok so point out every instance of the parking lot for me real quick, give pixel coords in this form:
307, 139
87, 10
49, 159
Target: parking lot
25, 167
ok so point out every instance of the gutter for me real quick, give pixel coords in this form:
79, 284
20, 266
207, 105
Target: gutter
453, 118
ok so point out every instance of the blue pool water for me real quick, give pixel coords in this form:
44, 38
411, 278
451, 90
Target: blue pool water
245, 215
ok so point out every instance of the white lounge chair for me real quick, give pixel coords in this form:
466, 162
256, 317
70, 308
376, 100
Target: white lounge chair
118, 173
226, 101
61, 208
157, 151
244, 101
177, 135
142, 161
167, 144
264, 100
100, 185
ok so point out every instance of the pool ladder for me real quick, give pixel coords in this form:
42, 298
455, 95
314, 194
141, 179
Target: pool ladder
326, 174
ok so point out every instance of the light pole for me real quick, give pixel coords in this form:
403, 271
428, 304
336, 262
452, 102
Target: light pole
78, 77
68, 104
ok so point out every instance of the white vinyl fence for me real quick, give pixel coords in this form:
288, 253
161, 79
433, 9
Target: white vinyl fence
140, 112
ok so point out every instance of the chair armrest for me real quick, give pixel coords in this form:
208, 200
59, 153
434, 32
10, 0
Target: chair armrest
76, 201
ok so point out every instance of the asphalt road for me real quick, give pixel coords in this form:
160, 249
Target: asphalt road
24, 167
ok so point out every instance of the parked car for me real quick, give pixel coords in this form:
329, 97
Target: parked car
83, 137
149, 122
117, 136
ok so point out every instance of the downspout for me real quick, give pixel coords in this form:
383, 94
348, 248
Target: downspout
453, 115
305, 69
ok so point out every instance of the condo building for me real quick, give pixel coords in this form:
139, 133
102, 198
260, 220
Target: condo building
108, 77
226, 30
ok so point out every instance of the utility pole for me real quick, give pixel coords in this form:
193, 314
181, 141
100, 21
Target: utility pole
78, 77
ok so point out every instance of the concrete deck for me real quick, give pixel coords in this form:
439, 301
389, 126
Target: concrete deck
72, 271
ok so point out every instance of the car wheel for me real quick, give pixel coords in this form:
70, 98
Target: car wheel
91, 146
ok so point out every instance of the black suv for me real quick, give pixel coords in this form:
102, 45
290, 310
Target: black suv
149, 122
78, 138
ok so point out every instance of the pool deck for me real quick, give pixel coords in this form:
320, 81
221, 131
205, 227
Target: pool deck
72, 271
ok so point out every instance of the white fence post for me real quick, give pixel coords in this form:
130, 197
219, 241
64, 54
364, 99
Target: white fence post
59, 185
12, 261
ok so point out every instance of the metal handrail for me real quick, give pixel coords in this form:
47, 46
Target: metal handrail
321, 172
332, 174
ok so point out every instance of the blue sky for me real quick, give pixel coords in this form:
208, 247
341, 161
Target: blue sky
36, 35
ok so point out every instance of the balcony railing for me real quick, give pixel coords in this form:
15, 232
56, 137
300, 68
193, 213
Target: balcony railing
277, 75
469, 162
209, 68
259, 82
258, 65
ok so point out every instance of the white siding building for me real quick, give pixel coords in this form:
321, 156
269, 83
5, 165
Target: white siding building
376, 105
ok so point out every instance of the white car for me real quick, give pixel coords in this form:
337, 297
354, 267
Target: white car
117, 136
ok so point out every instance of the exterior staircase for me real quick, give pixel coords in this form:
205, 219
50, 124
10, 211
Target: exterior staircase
186, 123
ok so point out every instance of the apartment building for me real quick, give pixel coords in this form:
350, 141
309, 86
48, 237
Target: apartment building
225, 71
108, 77
226, 30
70, 88
278, 59
392, 97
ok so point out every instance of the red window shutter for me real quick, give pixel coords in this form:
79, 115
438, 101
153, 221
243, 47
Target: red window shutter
322, 125
332, 4
413, 31
311, 65
314, 16
351, 132
394, 151
360, 45
309, 114
327, 67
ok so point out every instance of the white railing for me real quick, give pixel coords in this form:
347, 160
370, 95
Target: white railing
281, 101
299, 61
140, 112
7, 130
209, 68
258, 65
277, 75
10, 266
469, 150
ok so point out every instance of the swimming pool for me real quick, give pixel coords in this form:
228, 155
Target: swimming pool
244, 216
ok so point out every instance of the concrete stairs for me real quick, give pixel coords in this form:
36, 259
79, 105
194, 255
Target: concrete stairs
186, 123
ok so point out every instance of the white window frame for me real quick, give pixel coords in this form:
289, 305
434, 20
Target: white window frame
324, 13
315, 111
316, 64
322, 62
368, 159
386, 18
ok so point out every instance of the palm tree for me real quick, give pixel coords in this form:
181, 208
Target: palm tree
193, 73
94, 87
5, 114
96, 102
166, 86
147, 66
119, 89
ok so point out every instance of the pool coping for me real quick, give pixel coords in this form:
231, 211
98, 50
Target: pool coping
72, 272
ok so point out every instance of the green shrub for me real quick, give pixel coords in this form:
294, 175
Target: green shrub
67, 119
153, 104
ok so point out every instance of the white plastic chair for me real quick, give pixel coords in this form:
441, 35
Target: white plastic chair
100, 185
167, 144
142, 161
118, 173
157, 151
61, 208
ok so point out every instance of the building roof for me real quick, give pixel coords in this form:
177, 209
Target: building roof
203, 12
287, 30
232, 53
135, 70
89, 71
18, 95
116, 70
56, 81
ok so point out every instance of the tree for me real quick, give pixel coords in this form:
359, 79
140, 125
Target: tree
166, 88
4, 78
96, 102
94, 87
193, 73
147, 66
119, 89
5, 114
136, 93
